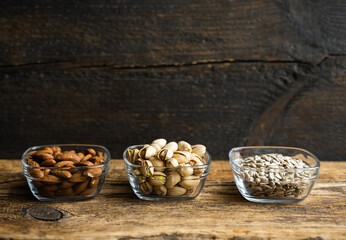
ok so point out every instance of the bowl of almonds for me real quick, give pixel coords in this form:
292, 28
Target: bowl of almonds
65, 172
274, 174
165, 170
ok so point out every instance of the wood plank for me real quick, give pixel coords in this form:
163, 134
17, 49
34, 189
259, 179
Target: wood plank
314, 105
219, 212
210, 104
219, 105
146, 33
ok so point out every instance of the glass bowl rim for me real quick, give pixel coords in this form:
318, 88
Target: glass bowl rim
66, 145
233, 162
207, 164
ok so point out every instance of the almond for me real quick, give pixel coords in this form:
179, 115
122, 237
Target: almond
50, 187
68, 156
36, 173
66, 192
64, 164
61, 174
32, 163
88, 191
51, 179
87, 157
93, 172
66, 184
48, 163
94, 182
91, 151
78, 177
80, 187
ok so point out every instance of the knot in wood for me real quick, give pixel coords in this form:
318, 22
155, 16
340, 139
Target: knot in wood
44, 213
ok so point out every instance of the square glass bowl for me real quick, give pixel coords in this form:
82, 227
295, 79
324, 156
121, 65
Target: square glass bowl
72, 177
287, 183
166, 183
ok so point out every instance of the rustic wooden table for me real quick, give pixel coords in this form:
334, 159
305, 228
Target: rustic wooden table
219, 212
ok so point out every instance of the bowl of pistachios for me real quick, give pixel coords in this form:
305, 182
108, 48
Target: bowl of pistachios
271, 174
167, 171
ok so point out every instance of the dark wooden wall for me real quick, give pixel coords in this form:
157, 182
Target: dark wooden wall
222, 73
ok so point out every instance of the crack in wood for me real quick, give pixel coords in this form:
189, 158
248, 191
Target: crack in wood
163, 65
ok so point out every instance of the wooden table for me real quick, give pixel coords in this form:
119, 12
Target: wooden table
220, 212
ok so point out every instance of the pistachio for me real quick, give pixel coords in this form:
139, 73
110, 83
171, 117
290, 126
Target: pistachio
157, 179
190, 192
186, 170
172, 179
184, 146
160, 191
197, 171
164, 154
182, 156
147, 152
172, 162
147, 169
176, 191
156, 146
158, 164
161, 142
199, 149
172, 145
189, 182
136, 172
129, 155
146, 188
195, 159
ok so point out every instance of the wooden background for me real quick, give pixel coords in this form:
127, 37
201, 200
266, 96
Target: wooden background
222, 73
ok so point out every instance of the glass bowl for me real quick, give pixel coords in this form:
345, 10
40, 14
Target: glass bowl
65, 175
166, 183
283, 180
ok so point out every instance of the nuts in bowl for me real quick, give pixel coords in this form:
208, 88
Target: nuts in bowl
274, 174
65, 172
167, 171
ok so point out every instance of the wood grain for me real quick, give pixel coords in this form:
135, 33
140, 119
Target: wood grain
218, 213
137, 33
220, 105
224, 73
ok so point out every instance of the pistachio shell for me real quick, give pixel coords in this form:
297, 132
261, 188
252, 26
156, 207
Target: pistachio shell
182, 156
160, 191
184, 146
161, 142
147, 152
146, 188
186, 170
158, 164
157, 179
129, 153
156, 146
172, 179
136, 172
164, 154
190, 192
198, 171
176, 191
147, 169
172, 162
189, 182
195, 159
172, 145
199, 149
